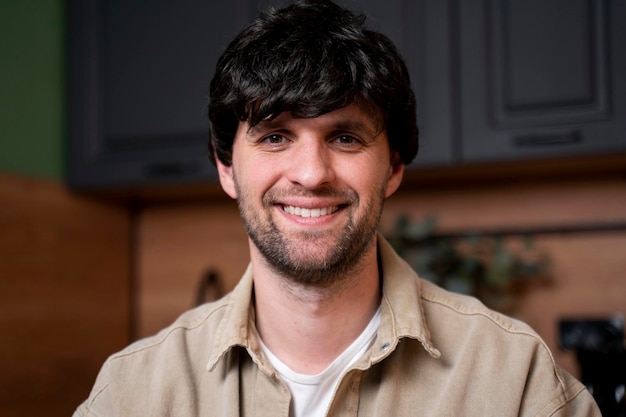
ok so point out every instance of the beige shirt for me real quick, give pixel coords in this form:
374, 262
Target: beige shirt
436, 354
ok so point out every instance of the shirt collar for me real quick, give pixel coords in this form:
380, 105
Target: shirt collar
402, 306
402, 314
236, 327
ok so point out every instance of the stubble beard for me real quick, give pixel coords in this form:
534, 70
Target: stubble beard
331, 266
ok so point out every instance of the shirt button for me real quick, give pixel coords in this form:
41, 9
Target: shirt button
384, 347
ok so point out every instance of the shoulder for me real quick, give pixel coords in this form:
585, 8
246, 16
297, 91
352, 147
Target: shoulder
191, 336
198, 324
465, 330
163, 364
470, 309
500, 352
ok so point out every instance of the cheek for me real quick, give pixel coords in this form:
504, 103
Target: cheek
365, 178
253, 181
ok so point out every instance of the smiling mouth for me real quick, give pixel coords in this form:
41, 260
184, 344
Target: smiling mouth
307, 212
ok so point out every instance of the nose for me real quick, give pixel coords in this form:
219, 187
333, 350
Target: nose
311, 164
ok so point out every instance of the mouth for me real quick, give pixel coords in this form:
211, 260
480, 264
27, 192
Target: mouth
310, 212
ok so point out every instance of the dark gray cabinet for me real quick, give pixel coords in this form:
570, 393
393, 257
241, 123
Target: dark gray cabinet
138, 78
495, 80
541, 78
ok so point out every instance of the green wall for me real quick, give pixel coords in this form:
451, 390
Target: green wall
32, 100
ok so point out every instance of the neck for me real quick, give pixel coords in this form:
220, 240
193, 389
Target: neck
308, 327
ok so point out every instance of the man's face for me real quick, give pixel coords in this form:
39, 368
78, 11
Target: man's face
310, 191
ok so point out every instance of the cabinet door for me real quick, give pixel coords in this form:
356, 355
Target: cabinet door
139, 75
541, 78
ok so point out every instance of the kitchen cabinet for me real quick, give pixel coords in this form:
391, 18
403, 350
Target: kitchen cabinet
138, 78
541, 78
500, 80
495, 80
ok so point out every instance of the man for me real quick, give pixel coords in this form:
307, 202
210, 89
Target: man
312, 122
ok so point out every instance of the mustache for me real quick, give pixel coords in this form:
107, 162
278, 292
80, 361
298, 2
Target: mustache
273, 195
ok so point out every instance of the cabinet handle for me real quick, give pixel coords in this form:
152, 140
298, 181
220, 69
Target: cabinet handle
555, 139
171, 169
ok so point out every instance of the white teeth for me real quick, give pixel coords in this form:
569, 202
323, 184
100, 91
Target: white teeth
305, 212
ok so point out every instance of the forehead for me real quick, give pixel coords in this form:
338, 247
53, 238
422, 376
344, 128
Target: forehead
354, 117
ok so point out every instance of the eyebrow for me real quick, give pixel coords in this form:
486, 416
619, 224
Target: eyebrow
342, 125
263, 125
357, 126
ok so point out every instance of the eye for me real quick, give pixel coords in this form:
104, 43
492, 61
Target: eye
274, 139
347, 141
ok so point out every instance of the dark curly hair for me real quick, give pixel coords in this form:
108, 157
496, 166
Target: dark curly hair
309, 59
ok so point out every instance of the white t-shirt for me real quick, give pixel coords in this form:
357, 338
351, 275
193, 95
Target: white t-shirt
311, 394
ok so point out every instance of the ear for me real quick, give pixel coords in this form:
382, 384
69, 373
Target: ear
395, 177
227, 180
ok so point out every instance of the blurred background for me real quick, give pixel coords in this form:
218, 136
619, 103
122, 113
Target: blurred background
112, 222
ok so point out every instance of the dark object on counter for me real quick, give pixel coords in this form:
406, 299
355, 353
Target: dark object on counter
600, 349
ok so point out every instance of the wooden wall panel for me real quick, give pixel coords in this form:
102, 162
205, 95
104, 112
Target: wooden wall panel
177, 245
64, 294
